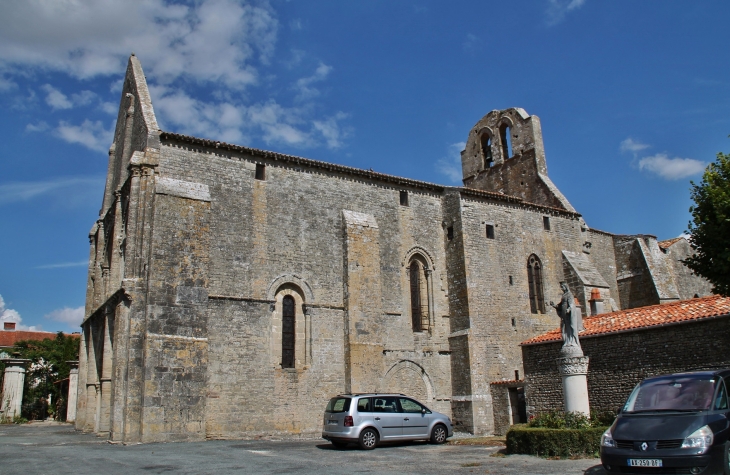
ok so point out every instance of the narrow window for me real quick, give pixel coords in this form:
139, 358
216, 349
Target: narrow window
288, 319
514, 323
534, 280
420, 310
504, 135
546, 223
260, 171
517, 375
490, 231
486, 141
450, 233
510, 280
416, 310
404, 198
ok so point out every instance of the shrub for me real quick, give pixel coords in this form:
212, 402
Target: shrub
560, 420
522, 439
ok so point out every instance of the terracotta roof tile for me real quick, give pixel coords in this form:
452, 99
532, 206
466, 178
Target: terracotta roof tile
669, 242
512, 381
645, 317
9, 338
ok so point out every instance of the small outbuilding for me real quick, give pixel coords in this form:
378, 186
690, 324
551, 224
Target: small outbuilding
627, 346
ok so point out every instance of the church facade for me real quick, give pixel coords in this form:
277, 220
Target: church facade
232, 291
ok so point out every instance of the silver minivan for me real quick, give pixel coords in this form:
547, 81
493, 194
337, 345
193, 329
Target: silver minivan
369, 418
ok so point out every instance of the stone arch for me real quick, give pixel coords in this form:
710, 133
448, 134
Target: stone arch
411, 379
419, 267
280, 281
425, 255
284, 292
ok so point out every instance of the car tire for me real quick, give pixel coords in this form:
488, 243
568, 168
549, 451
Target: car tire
439, 434
368, 439
339, 444
726, 459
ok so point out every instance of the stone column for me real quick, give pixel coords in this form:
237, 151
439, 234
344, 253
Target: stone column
73, 384
573, 368
92, 378
105, 382
13, 387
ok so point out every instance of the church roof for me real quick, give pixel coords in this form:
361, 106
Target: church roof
682, 311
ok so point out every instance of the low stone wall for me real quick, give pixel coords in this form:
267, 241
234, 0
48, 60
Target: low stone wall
619, 361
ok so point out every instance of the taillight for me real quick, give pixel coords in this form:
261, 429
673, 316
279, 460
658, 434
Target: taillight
348, 421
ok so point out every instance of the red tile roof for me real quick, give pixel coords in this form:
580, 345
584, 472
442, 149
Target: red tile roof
512, 381
669, 242
645, 317
9, 338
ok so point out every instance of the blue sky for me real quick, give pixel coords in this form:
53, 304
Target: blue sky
633, 99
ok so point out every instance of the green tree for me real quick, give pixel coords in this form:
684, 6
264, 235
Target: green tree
49, 364
710, 225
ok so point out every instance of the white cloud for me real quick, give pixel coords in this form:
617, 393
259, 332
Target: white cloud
58, 100
332, 131
71, 316
304, 85
208, 40
10, 315
450, 165
41, 126
558, 9
671, 168
23, 191
632, 146
55, 98
90, 134
64, 264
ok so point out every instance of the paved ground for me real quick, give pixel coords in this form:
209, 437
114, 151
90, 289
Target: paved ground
57, 449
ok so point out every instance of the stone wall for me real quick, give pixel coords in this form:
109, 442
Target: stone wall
620, 361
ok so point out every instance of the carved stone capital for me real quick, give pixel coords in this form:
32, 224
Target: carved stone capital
573, 365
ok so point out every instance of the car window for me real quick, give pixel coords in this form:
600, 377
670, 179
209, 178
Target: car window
338, 404
679, 393
721, 398
408, 405
364, 405
384, 404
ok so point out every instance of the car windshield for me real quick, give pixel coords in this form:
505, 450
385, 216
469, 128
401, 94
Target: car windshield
683, 393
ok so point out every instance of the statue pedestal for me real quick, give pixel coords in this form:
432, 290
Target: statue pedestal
573, 368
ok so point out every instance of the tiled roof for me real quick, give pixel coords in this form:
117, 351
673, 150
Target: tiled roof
681, 311
669, 242
512, 381
9, 338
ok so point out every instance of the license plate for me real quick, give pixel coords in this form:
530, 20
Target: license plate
334, 423
645, 462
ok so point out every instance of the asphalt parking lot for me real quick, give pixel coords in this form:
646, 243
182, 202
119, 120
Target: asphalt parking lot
58, 449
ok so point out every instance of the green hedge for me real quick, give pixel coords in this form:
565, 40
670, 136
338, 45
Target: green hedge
554, 442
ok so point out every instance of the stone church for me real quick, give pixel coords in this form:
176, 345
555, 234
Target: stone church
232, 291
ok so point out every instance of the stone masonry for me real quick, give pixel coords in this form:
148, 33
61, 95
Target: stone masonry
233, 291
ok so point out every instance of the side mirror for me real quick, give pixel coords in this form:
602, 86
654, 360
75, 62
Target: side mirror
423, 411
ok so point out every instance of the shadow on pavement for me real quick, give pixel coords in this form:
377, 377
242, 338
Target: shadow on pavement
596, 470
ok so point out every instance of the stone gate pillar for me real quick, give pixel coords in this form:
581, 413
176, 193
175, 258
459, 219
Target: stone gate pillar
12, 397
73, 385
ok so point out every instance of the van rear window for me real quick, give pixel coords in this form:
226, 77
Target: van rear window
338, 404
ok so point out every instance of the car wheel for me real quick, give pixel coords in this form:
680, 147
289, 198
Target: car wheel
368, 439
339, 444
439, 434
726, 459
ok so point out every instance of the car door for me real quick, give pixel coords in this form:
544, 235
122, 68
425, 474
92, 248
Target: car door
387, 418
416, 418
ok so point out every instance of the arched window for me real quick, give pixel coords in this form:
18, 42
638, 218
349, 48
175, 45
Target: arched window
288, 328
419, 296
486, 142
504, 135
534, 279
